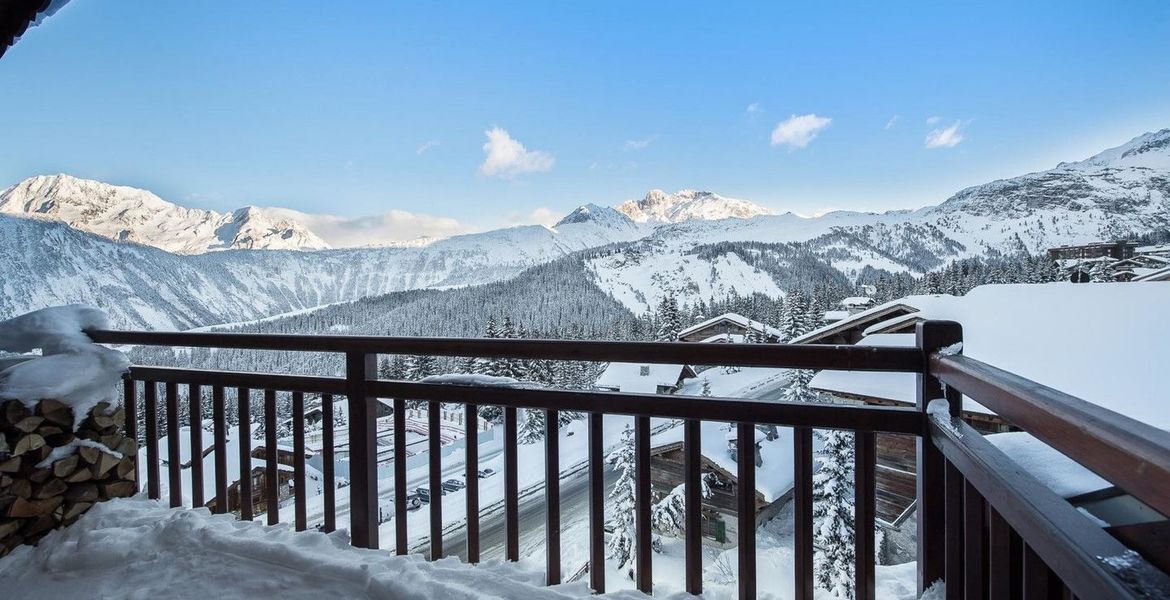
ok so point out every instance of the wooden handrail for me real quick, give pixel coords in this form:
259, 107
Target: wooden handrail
1130, 454
1092, 563
795, 356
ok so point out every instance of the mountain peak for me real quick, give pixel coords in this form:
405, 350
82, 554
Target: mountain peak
592, 213
659, 207
1149, 150
128, 214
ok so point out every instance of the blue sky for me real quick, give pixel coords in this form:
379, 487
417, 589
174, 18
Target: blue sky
369, 108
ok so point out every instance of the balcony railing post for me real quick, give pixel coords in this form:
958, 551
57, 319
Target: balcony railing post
363, 490
931, 337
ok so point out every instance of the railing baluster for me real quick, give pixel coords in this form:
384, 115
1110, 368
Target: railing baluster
693, 493
195, 396
745, 466
954, 558
471, 493
930, 337
271, 454
300, 481
511, 487
360, 368
400, 532
329, 522
174, 450
802, 515
150, 399
864, 500
597, 502
643, 552
974, 543
244, 401
435, 449
219, 425
552, 497
999, 557
1035, 576
130, 403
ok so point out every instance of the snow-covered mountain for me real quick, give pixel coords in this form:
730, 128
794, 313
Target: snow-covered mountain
659, 207
132, 215
686, 242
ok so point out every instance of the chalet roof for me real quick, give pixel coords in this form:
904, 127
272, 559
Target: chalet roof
1162, 274
724, 338
856, 301
890, 325
870, 316
832, 316
628, 377
737, 319
774, 476
1076, 338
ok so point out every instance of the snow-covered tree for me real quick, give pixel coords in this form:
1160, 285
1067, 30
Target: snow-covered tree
705, 389
669, 318
531, 428
833, 528
797, 389
668, 515
620, 547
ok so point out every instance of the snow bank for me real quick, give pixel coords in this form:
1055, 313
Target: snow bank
138, 548
1060, 473
72, 369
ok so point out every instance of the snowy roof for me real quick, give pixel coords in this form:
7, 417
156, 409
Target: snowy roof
773, 476
724, 338
871, 315
856, 301
832, 316
738, 319
629, 377
899, 387
1056, 334
1162, 274
894, 323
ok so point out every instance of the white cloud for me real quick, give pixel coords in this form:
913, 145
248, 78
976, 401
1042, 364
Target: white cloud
507, 157
377, 230
538, 216
798, 131
948, 137
754, 109
429, 144
933, 120
893, 121
640, 144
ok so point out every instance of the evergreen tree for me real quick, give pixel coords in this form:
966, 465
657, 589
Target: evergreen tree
669, 318
833, 529
531, 429
668, 515
620, 547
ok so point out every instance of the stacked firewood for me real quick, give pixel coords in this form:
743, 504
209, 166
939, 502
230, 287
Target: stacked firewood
50, 474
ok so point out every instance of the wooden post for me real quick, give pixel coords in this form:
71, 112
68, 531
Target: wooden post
363, 497
931, 337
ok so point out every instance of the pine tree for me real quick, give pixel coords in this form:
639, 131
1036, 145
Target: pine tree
705, 390
531, 429
833, 529
668, 515
669, 318
620, 547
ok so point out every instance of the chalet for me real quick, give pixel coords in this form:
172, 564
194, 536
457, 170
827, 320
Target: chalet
1162, 274
1118, 250
856, 304
774, 477
849, 329
729, 327
1077, 351
643, 378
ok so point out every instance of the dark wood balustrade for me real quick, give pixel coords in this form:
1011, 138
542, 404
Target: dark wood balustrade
986, 527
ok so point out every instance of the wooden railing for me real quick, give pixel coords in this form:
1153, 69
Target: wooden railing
985, 527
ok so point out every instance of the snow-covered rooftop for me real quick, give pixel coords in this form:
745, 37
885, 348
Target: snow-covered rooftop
856, 301
738, 319
639, 378
773, 476
873, 314
1104, 343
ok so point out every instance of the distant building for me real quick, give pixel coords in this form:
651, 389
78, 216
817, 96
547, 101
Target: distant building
1118, 250
643, 378
720, 520
729, 327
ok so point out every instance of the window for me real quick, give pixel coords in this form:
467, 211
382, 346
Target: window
645, 371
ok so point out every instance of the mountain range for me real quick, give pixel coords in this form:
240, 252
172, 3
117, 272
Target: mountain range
155, 264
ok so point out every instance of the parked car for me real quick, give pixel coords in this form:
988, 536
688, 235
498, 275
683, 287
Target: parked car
424, 494
414, 501
485, 473
453, 485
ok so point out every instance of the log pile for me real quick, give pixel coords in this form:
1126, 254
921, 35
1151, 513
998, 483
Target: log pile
38, 495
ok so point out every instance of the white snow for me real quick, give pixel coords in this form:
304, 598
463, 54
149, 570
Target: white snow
773, 476
71, 448
736, 319
639, 378
1063, 475
478, 380
72, 369
139, 549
